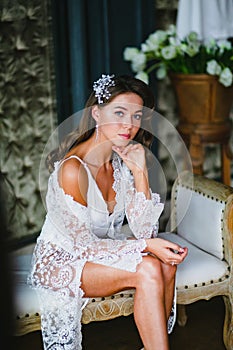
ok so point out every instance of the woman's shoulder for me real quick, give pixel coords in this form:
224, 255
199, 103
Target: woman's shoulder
73, 178
72, 161
70, 167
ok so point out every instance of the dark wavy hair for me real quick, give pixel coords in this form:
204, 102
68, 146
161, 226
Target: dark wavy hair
86, 127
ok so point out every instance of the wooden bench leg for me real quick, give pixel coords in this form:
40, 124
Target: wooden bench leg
228, 323
181, 315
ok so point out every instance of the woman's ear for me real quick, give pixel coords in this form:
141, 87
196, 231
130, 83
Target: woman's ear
95, 112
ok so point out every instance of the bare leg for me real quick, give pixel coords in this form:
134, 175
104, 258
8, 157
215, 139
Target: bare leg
150, 306
100, 281
150, 309
169, 282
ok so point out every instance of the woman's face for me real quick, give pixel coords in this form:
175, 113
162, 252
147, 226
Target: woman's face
119, 120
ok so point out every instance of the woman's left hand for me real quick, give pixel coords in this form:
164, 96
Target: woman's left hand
133, 155
168, 252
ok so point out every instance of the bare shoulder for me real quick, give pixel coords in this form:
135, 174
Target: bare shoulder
73, 179
70, 169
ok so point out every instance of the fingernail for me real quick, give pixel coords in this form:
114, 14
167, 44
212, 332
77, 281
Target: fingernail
181, 250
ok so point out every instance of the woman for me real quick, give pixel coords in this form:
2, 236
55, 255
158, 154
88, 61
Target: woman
99, 177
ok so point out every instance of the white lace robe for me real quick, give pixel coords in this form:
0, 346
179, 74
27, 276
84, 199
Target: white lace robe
67, 242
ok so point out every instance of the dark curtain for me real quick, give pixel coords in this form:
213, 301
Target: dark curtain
89, 39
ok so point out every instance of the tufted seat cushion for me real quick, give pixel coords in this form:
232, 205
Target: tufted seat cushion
25, 298
199, 267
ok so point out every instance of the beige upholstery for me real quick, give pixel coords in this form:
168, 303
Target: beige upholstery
97, 309
202, 219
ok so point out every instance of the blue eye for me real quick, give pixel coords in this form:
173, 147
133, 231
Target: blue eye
119, 113
137, 116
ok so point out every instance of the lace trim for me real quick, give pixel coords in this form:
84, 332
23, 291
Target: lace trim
142, 213
172, 317
116, 164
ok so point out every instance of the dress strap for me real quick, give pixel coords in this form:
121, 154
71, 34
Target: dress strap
74, 156
81, 161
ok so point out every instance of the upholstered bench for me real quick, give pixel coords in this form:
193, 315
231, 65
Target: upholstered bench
202, 220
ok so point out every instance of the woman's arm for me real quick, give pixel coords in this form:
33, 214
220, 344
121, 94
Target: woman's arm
143, 208
133, 155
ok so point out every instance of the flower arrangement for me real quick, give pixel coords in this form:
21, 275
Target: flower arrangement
164, 52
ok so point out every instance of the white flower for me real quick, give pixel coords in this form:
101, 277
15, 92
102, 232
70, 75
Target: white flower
151, 44
226, 77
155, 40
147, 48
160, 36
168, 52
163, 52
224, 45
138, 62
192, 49
142, 76
213, 68
174, 41
210, 45
171, 30
161, 72
129, 53
183, 47
192, 38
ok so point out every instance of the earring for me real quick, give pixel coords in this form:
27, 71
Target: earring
97, 132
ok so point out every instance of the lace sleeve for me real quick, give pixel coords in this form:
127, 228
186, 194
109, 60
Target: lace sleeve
142, 214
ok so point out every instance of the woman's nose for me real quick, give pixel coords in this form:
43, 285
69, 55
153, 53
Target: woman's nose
128, 121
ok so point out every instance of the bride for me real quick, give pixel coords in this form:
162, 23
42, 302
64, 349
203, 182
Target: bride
99, 177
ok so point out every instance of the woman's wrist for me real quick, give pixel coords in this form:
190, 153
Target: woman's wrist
147, 249
138, 171
142, 183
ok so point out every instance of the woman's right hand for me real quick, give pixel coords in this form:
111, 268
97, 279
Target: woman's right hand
168, 252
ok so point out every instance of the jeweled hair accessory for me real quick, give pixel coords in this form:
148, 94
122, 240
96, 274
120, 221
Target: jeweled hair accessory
101, 87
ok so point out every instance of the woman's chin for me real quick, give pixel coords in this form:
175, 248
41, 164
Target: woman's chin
120, 143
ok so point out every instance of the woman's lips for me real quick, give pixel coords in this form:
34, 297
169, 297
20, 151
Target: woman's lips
125, 136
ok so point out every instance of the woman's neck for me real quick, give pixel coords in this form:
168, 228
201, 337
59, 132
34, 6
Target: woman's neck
96, 153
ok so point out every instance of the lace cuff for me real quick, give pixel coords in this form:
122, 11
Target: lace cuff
143, 214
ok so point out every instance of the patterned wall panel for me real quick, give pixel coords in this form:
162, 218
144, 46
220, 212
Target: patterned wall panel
27, 109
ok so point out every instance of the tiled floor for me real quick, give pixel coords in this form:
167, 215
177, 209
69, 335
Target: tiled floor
203, 331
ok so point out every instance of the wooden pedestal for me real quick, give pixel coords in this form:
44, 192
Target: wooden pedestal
198, 136
204, 117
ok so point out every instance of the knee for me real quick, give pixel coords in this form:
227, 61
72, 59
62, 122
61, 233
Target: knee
169, 272
150, 271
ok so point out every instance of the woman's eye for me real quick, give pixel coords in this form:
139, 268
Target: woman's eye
137, 116
119, 113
